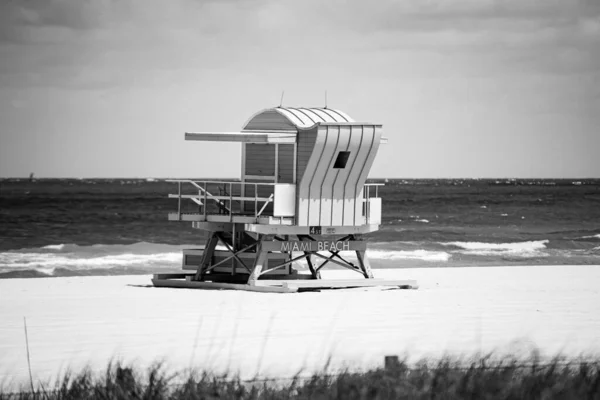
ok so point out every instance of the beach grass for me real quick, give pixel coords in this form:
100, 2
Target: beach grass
448, 378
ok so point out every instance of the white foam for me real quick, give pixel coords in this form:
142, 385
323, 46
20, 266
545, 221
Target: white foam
591, 237
10, 261
518, 248
89, 257
422, 220
54, 247
424, 255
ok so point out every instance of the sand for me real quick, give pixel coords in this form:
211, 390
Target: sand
89, 320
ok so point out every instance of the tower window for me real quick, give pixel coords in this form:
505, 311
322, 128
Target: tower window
341, 160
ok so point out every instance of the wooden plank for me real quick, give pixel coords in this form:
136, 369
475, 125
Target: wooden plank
174, 280
183, 284
244, 137
346, 283
258, 178
171, 275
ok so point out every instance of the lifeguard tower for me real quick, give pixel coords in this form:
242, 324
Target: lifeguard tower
302, 198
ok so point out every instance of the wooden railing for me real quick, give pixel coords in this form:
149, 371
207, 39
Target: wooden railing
232, 198
367, 196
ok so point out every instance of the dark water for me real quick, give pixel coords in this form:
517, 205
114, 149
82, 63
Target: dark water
63, 227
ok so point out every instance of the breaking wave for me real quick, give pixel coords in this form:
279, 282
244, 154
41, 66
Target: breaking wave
71, 259
147, 258
523, 249
591, 236
424, 255
139, 258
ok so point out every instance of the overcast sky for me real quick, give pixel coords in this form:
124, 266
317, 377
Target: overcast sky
463, 88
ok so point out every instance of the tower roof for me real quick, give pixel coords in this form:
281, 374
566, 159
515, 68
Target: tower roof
293, 118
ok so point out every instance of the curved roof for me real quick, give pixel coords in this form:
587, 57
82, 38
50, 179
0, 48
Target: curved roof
292, 118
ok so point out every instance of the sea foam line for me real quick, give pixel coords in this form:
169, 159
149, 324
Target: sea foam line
425, 255
591, 236
518, 248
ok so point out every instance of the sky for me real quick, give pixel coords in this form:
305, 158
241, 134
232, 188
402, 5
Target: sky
463, 88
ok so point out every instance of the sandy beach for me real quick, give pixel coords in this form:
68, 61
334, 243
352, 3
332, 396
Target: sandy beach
89, 320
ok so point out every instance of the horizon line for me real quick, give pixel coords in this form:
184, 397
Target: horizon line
232, 178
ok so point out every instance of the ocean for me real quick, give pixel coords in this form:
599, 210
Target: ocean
78, 227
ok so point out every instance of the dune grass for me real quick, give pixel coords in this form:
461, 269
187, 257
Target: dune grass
444, 379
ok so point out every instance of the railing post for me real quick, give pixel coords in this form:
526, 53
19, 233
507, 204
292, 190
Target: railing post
255, 200
234, 248
230, 201
179, 201
205, 200
367, 203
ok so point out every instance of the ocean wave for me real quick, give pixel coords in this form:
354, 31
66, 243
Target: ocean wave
591, 236
27, 260
525, 249
100, 259
66, 272
425, 255
54, 247
47, 259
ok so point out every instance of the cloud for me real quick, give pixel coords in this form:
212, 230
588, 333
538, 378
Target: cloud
23, 21
105, 43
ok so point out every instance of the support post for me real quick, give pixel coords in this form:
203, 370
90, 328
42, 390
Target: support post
207, 254
276, 162
234, 246
204, 207
313, 271
363, 263
179, 201
315, 274
230, 202
259, 262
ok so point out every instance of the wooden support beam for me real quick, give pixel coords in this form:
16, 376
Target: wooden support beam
207, 254
364, 265
313, 271
283, 264
336, 262
259, 262
234, 254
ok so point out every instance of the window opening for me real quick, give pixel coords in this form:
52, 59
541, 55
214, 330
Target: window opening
341, 160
